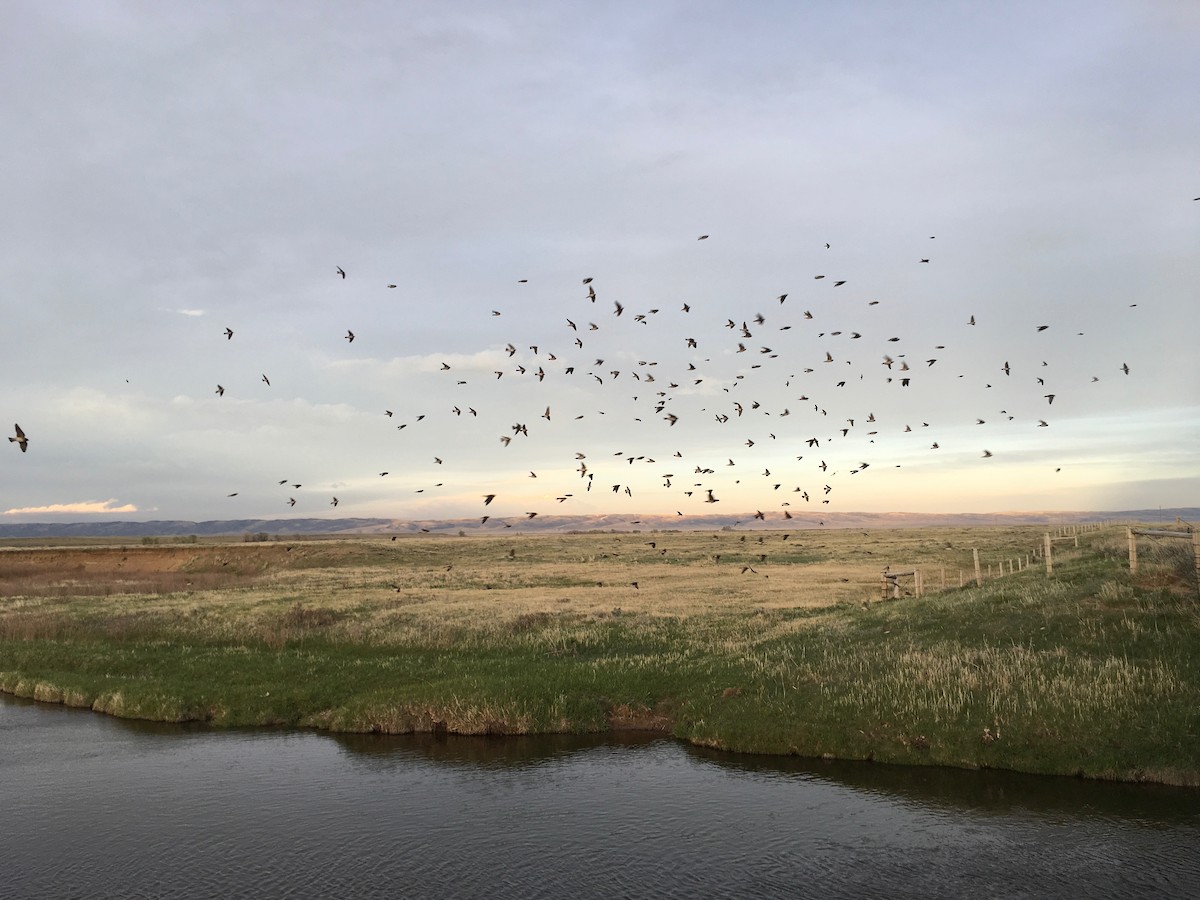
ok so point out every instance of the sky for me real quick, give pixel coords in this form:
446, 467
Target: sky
898, 170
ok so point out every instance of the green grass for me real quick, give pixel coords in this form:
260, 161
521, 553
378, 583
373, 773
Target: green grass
1094, 672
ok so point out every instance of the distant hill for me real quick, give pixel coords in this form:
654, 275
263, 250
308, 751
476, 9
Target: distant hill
563, 524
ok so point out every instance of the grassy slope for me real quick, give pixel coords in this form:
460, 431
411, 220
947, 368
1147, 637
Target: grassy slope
1091, 672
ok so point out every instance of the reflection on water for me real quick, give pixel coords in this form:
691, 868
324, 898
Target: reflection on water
94, 806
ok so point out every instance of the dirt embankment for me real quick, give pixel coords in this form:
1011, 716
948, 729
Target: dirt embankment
129, 569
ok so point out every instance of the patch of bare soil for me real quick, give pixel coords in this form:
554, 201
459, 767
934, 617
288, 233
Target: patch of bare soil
623, 717
124, 570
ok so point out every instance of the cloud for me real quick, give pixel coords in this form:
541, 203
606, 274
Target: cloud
480, 361
84, 507
190, 312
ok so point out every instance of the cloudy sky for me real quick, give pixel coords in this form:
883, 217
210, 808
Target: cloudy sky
173, 170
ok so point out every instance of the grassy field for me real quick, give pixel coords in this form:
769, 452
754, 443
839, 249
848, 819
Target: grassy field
765, 641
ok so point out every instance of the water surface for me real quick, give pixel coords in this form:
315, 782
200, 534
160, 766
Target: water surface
101, 807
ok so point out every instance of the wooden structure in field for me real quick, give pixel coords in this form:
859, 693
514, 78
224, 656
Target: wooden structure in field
1189, 533
892, 589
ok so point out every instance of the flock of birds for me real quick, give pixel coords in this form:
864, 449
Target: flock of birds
819, 360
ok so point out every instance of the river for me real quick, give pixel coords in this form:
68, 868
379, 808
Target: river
92, 806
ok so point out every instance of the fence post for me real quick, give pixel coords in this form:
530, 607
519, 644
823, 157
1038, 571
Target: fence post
1132, 549
978, 571
1049, 556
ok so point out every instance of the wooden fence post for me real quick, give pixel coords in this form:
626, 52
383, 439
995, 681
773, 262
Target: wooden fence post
1132, 549
978, 571
1048, 553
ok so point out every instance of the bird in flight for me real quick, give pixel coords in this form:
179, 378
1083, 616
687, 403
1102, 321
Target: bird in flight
341, 272
266, 380
228, 334
349, 336
20, 439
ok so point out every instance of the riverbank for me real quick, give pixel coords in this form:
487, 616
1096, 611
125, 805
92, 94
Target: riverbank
772, 646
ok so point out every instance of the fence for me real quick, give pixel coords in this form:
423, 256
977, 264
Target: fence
892, 586
1186, 532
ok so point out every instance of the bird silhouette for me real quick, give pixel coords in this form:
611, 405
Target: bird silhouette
20, 439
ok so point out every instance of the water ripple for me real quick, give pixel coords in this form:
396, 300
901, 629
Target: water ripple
95, 807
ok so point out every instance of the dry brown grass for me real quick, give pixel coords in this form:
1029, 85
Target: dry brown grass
741, 641
439, 589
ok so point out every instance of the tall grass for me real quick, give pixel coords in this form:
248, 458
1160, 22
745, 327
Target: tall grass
1092, 672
